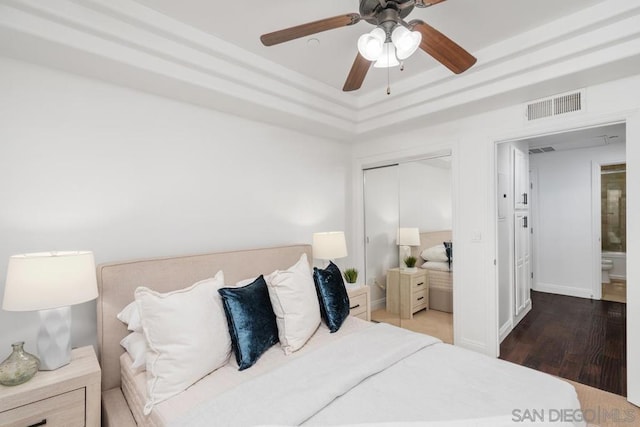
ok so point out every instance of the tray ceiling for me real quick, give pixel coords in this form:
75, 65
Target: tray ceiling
471, 23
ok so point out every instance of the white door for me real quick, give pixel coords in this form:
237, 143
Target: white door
520, 178
381, 218
522, 261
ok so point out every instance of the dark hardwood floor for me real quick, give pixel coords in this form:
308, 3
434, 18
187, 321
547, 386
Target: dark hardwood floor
574, 338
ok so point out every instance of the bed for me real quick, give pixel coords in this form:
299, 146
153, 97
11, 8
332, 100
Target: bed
364, 373
440, 282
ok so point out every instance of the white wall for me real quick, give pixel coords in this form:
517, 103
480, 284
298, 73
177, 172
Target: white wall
88, 165
563, 200
474, 230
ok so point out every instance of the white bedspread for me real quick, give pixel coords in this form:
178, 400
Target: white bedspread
384, 374
291, 394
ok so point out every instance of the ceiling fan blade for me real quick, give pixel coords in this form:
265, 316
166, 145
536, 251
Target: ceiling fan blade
442, 48
308, 29
357, 74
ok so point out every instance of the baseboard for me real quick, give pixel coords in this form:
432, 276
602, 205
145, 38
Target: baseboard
563, 290
617, 277
473, 345
505, 330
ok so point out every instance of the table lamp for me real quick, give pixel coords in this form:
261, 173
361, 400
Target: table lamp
407, 237
50, 282
329, 245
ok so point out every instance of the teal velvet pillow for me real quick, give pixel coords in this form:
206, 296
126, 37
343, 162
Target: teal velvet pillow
251, 321
332, 295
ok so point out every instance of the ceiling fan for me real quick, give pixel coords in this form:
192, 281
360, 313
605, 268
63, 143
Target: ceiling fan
391, 40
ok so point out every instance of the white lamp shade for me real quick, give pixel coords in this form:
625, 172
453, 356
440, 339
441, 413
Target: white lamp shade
387, 58
408, 236
47, 280
329, 245
370, 44
405, 41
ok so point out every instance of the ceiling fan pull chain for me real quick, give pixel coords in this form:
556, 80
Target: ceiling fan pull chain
388, 73
388, 81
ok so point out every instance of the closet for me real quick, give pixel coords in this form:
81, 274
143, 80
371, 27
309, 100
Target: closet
411, 195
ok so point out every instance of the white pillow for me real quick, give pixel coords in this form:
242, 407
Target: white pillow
136, 346
295, 303
437, 265
435, 253
187, 334
131, 316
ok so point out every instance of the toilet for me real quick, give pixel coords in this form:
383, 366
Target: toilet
607, 266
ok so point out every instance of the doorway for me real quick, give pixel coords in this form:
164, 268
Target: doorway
613, 229
566, 243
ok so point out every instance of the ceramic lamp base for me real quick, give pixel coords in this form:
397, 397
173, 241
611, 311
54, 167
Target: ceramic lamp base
54, 338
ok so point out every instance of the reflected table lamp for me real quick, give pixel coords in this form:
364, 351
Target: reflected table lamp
329, 245
51, 282
407, 236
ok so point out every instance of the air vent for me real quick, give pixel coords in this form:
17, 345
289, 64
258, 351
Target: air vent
556, 105
539, 150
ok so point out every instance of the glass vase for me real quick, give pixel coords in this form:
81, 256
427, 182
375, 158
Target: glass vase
19, 367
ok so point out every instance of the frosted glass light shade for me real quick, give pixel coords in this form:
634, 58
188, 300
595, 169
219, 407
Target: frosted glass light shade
387, 58
46, 280
370, 44
408, 236
405, 41
329, 245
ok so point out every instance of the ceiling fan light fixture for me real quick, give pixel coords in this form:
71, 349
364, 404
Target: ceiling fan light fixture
388, 58
405, 41
370, 45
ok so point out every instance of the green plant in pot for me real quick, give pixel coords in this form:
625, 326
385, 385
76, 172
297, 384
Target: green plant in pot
351, 275
410, 261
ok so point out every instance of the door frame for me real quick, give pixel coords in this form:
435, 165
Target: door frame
519, 136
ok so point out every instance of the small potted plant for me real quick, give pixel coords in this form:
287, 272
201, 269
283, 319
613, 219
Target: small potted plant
351, 275
410, 262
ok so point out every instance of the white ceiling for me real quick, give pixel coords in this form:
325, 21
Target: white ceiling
471, 23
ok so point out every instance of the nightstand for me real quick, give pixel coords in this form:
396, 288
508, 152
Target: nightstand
407, 291
359, 302
68, 396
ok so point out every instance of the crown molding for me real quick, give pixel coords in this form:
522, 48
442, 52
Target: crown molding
129, 44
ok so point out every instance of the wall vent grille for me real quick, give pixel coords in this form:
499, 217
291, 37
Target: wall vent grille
539, 150
556, 105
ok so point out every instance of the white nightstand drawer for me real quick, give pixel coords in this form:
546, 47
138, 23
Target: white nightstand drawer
419, 298
419, 283
358, 305
66, 409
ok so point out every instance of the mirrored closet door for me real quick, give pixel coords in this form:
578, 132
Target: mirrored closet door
409, 259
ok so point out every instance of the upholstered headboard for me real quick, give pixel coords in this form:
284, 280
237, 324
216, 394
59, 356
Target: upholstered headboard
429, 239
117, 282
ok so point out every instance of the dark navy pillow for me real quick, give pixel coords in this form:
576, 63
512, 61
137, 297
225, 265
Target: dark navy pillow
332, 295
252, 323
448, 246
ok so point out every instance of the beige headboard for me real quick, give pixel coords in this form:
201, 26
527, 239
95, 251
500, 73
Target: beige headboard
429, 239
117, 282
